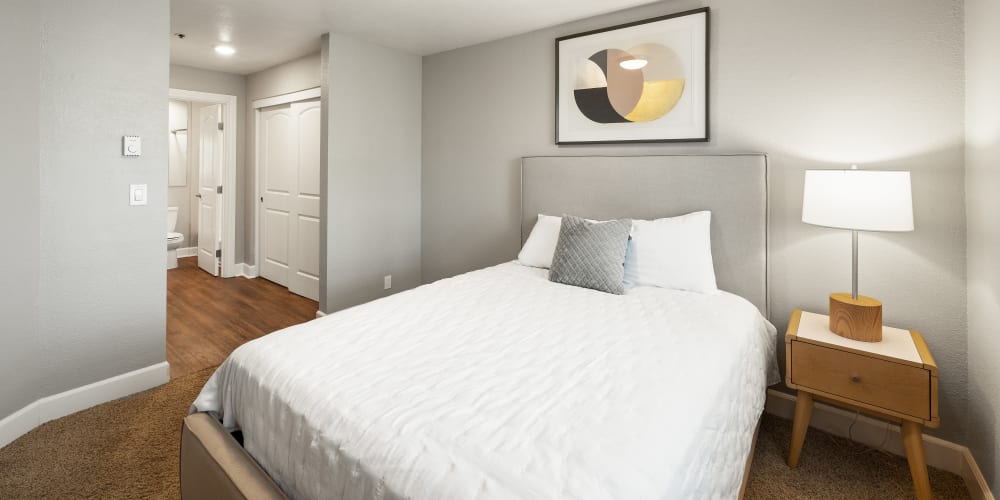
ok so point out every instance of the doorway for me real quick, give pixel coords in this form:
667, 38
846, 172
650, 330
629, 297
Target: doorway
211, 131
208, 317
287, 168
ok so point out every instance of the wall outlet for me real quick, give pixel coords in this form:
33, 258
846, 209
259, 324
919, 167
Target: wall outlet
387, 282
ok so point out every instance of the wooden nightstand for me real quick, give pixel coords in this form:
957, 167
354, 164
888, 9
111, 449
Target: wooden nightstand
895, 379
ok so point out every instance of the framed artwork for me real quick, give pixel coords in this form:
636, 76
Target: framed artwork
645, 81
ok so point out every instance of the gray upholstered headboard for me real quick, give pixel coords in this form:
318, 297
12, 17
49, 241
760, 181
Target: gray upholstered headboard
733, 187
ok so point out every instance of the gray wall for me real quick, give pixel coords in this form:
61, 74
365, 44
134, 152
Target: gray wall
86, 74
813, 84
371, 171
215, 82
20, 49
982, 162
295, 75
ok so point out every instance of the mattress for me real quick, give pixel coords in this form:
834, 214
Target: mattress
500, 384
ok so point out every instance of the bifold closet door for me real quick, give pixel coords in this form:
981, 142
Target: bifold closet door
288, 163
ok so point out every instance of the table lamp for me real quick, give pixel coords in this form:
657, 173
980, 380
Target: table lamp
858, 200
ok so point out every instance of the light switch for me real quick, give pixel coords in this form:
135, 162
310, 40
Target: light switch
137, 194
131, 145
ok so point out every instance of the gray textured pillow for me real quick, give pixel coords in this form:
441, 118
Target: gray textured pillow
591, 254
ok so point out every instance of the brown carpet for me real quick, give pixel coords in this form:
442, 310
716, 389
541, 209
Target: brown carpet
835, 468
129, 449
123, 449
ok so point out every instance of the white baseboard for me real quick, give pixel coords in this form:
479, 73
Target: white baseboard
320, 314
81, 398
886, 436
246, 270
187, 252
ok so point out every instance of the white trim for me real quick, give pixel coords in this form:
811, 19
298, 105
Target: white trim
320, 314
81, 398
230, 107
257, 200
247, 271
979, 489
187, 252
18, 424
883, 435
287, 98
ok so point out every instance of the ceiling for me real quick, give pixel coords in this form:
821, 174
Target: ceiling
269, 32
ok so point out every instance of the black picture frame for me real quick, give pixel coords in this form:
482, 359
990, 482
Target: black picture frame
618, 132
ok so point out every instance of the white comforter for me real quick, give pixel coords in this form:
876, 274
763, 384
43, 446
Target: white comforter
501, 384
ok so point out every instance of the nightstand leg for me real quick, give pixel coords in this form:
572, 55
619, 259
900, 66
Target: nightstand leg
913, 441
803, 412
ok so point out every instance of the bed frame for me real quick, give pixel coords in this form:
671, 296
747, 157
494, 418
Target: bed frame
214, 465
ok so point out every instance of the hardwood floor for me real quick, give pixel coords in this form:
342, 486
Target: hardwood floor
208, 317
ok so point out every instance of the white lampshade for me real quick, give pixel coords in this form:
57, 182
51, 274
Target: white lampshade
861, 200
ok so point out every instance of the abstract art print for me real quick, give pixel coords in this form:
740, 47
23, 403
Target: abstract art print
645, 81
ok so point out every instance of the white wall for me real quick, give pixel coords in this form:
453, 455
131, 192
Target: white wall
20, 48
370, 171
813, 84
215, 82
86, 283
982, 183
292, 76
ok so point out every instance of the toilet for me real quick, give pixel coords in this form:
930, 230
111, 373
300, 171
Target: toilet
174, 239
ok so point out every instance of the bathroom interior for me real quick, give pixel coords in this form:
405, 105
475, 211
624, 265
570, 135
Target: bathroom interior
182, 206
187, 137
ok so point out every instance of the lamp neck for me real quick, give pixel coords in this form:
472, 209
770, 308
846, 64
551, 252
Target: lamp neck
854, 265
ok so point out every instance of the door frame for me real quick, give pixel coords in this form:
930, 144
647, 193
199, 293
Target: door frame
230, 110
258, 105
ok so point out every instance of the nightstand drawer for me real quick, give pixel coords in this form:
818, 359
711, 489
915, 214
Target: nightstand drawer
893, 386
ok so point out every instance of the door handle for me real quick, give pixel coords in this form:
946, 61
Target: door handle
197, 195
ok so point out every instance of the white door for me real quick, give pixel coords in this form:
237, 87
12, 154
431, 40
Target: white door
209, 180
288, 165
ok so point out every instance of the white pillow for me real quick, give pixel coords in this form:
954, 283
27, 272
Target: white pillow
541, 243
675, 252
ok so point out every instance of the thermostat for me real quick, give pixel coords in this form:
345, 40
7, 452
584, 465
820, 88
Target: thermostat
131, 145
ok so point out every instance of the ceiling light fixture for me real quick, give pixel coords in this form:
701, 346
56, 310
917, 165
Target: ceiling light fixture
224, 50
635, 63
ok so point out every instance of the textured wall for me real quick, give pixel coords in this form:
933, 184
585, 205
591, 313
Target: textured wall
102, 281
371, 171
813, 84
215, 82
982, 162
19, 206
299, 74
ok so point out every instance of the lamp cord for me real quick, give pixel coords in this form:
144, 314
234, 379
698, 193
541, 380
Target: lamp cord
885, 436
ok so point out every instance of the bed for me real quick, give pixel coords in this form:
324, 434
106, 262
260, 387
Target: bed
501, 384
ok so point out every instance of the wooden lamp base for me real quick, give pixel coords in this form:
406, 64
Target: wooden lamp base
856, 319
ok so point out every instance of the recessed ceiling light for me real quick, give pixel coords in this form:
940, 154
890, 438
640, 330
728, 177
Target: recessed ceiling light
224, 50
633, 63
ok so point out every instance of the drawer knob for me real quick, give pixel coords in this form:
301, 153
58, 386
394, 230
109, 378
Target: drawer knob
855, 379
